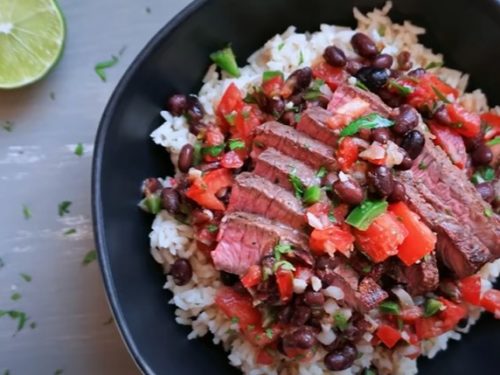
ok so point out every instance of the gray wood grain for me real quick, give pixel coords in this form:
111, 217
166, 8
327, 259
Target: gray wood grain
38, 168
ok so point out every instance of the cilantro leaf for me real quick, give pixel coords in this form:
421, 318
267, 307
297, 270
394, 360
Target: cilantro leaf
89, 257
433, 64
69, 231
15, 296
100, 67
63, 208
340, 321
322, 171
213, 150
26, 212
280, 249
284, 265
403, 90
371, 121
236, 144
26, 277
297, 185
494, 141
79, 149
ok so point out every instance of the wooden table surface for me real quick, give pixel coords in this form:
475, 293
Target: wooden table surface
68, 326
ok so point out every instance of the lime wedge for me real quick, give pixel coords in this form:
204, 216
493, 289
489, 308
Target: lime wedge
32, 36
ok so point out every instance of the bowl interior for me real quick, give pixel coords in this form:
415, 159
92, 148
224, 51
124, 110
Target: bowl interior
466, 32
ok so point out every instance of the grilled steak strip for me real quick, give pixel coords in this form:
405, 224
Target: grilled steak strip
346, 93
313, 123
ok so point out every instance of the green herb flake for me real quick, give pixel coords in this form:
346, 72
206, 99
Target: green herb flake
2, 264
236, 144
280, 46
79, 149
484, 174
367, 269
283, 265
281, 249
360, 85
109, 321
230, 118
422, 166
312, 194
16, 296
151, 204
8, 126
364, 214
212, 228
148, 10
488, 212
403, 90
432, 306
58, 371
400, 323
322, 171
301, 58
389, 307
20, 316
381, 30
495, 141
371, 121
434, 64
100, 67
331, 217
197, 153
63, 208
226, 60
269, 333
213, 151
270, 74
6, 372
235, 320
89, 257
33, 325
440, 95
69, 231
340, 321
251, 327
298, 186
26, 277
26, 212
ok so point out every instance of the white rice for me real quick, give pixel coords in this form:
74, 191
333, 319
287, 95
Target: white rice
171, 239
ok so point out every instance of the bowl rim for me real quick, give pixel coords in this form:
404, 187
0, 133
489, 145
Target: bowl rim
96, 202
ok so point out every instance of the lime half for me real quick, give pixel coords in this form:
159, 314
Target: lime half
32, 36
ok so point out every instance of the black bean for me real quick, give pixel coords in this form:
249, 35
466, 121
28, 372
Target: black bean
352, 66
341, 359
381, 135
380, 180
406, 120
353, 333
197, 127
373, 78
382, 61
276, 107
441, 115
285, 314
177, 104
301, 337
392, 99
395, 73
406, 164
419, 72
482, 155
471, 144
314, 299
335, 56
297, 99
185, 158
349, 191
302, 257
300, 315
194, 109
364, 46
398, 192
181, 271
288, 118
299, 79
325, 262
170, 200
151, 185
413, 142
228, 279
487, 191
404, 62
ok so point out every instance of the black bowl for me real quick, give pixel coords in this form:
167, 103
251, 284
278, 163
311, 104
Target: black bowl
466, 31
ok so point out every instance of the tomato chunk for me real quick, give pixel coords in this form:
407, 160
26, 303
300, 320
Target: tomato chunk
451, 142
238, 307
332, 76
273, 86
347, 153
464, 122
470, 287
382, 238
230, 103
388, 335
284, 279
264, 357
425, 93
204, 188
420, 240
491, 302
444, 321
330, 240
252, 277
492, 121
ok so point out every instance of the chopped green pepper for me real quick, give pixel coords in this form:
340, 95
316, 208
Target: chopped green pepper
152, 204
389, 307
371, 121
432, 307
226, 60
340, 321
312, 194
494, 141
364, 214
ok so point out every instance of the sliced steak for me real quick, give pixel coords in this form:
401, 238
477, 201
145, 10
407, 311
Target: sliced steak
297, 145
422, 277
459, 249
313, 122
254, 194
277, 167
346, 93
448, 189
245, 238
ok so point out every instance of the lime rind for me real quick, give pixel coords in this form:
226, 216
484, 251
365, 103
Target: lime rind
32, 36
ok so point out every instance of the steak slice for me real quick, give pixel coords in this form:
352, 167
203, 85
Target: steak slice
346, 93
422, 277
291, 142
313, 122
459, 249
448, 189
277, 167
245, 238
254, 194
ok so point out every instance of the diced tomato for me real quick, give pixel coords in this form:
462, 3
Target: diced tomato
330, 240
382, 238
213, 136
284, 279
451, 142
231, 160
252, 277
411, 314
204, 188
420, 240
470, 288
492, 121
444, 321
466, 123
491, 302
332, 76
425, 91
340, 212
388, 335
237, 306
347, 153
264, 357
272, 86
299, 354
245, 122
230, 104
346, 112
303, 273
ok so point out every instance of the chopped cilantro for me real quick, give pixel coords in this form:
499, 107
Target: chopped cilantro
322, 171
301, 58
280, 249
280, 46
422, 166
69, 231
284, 265
494, 141
484, 174
235, 320
63, 208
212, 228
236, 144
109, 321
58, 371
6, 372
340, 321
389, 307
297, 185
269, 333
8, 126
331, 217
434, 64
89, 257
26, 212
359, 84
402, 89
100, 67
230, 117
371, 121
213, 150
79, 150
15, 296
33, 325
367, 269
440, 95
197, 153
488, 212
20, 316
432, 307
312, 194
26, 277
